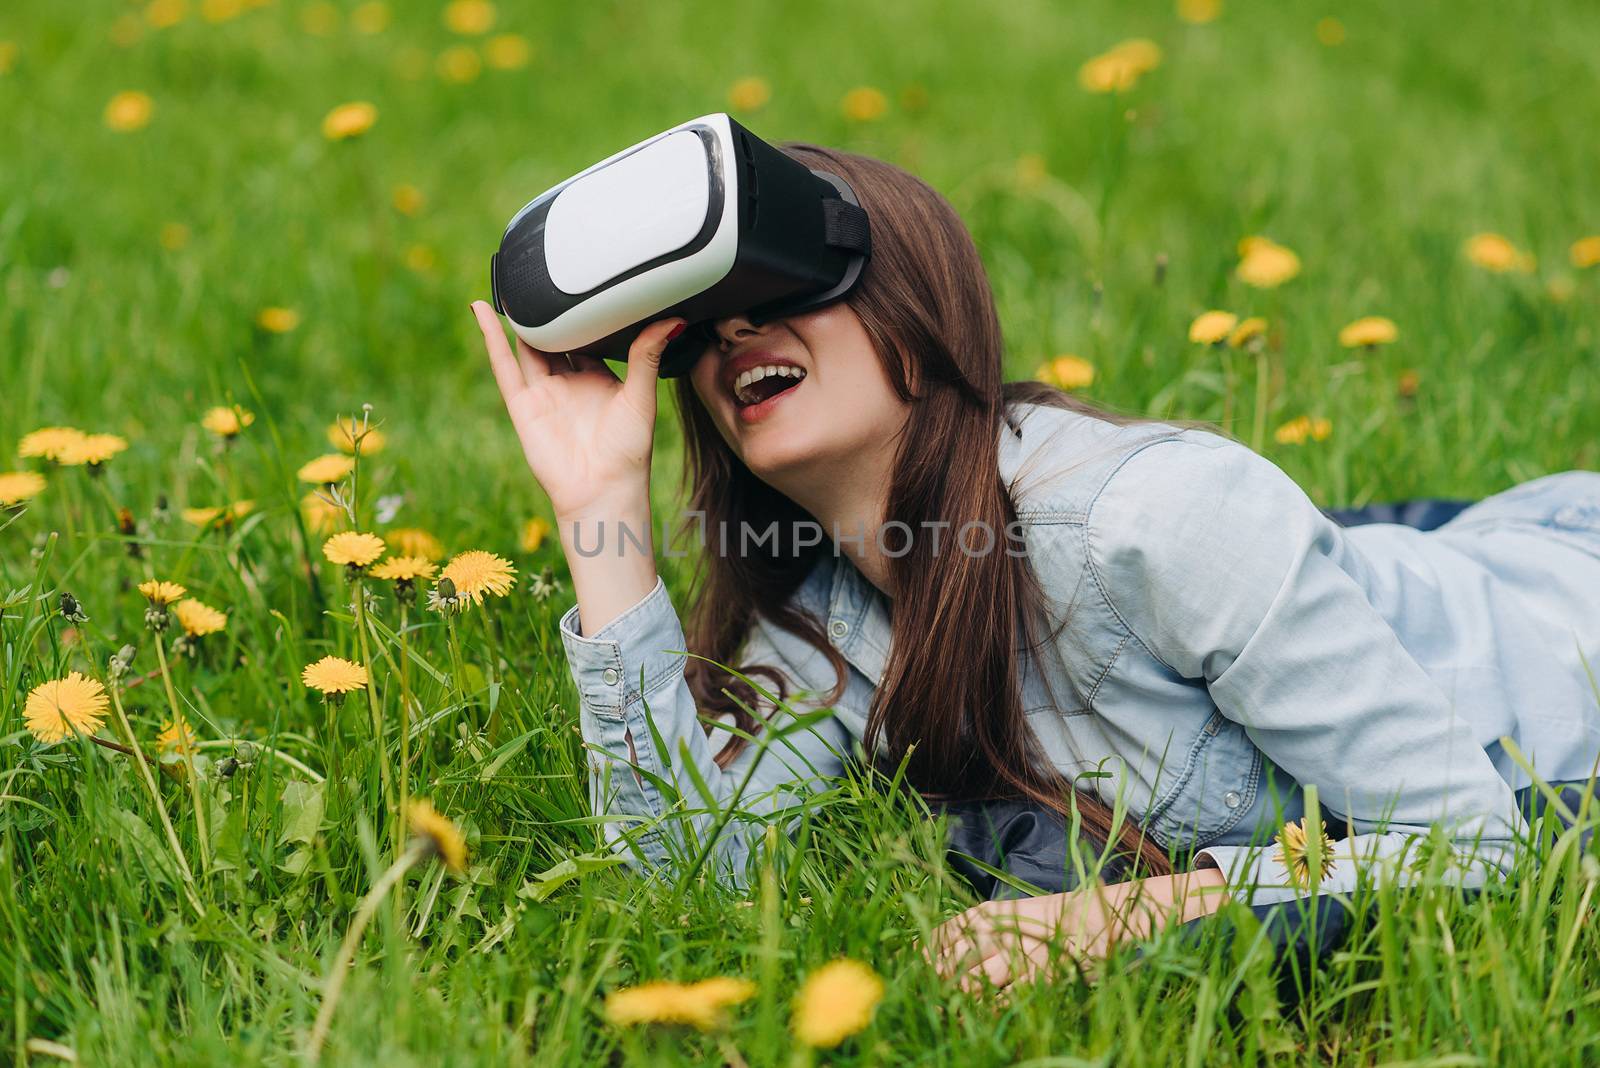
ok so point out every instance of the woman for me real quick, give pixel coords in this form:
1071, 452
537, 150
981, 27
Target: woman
1008, 588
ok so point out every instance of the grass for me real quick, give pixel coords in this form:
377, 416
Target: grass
1374, 159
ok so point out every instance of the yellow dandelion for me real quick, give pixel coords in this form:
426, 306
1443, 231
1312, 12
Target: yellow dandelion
370, 17
864, 104
91, 449
1330, 32
476, 572
1143, 53
164, 13
349, 120
1199, 12
1368, 332
1248, 331
275, 320
835, 1002
1301, 428
19, 486
507, 51
701, 1005
63, 707
353, 549
1294, 850
330, 467
1264, 263
334, 675
224, 514
748, 94
469, 17
459, 64
173, 236
1585, 252
1119, 68
342, 435
534, 531
412, 541
1212, 327
322, 516
129, 111
1066, 372
176, 736
407, 199
405, 569
219, 11
161, 593
227, 422
443, 836
47, 442
198, 618
1495, 252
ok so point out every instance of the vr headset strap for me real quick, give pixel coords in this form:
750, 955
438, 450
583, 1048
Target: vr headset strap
844, 225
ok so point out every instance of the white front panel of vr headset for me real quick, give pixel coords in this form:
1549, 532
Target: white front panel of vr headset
584, 260
638, 208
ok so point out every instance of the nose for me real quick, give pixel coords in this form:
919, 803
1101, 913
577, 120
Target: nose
731, 330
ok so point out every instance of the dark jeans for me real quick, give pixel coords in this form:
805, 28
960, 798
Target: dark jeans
1029, 842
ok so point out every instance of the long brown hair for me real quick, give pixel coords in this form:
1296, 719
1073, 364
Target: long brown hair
926, 305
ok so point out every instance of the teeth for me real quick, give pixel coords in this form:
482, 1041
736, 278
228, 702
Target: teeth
756, 374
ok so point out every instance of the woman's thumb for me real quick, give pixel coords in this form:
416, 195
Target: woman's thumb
644, 363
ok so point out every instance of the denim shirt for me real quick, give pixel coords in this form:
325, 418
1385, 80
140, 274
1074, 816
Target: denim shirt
1225, 644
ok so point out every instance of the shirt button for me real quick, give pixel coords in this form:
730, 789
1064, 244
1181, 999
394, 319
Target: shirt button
610, 676
838, 628
1231, 799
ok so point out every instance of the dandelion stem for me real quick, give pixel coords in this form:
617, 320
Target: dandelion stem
188, 757
334, 983
405, 718
155, 799
1258, 432
372, 705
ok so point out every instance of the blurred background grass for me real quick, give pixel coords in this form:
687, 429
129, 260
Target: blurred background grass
1372, 138
1374, 158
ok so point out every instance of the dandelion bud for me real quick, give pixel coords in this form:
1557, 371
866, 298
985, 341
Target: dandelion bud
71, 610
120, 661
161, 513
226, 767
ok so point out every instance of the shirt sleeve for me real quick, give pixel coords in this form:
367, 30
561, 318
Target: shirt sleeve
663, 805
1221, 567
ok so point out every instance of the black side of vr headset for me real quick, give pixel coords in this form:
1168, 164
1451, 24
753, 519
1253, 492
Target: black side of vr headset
803, 242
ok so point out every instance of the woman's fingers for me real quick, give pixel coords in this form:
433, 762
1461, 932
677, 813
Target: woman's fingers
998, 968
535, 364
508, 374
644, 364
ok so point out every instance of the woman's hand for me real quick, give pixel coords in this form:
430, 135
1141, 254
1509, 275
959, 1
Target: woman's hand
1011, 941
586, 434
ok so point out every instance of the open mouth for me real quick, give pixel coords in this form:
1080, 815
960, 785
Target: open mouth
765, 382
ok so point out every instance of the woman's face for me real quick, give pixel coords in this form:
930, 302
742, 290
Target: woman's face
799, 394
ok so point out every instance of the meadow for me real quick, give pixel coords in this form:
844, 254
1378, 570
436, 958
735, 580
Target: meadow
237, 244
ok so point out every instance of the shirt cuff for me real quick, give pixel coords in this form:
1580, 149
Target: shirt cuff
1256, 873
629, 658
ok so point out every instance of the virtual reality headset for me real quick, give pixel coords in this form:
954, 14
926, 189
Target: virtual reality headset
703, 221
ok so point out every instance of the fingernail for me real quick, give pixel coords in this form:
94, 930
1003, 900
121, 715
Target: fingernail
675, 331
